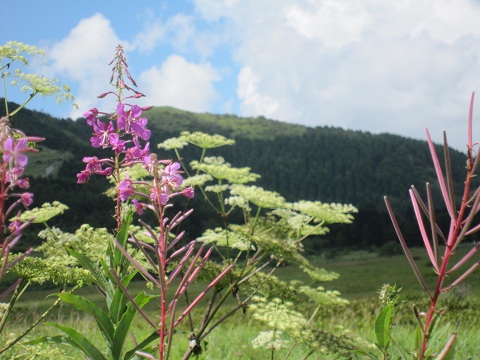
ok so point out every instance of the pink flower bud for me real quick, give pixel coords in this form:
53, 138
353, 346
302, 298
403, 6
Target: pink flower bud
101, 96
35, 139
188, 192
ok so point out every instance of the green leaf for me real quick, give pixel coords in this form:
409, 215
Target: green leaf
382, 327
100, 278
448, 351
58, 339
79, 341
119, 300
123, 327
104, 323
418, 339
122, 238
364, 353
142, 346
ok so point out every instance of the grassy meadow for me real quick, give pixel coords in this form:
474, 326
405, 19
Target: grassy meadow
361, 276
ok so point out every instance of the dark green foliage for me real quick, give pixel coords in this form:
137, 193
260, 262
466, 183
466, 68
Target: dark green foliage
390, 248
323, 163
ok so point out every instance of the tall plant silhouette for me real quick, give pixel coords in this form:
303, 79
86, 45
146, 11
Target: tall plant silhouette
462, 224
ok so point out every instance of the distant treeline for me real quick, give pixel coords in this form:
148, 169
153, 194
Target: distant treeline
323, 163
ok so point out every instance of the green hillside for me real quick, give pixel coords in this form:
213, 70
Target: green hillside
322, 163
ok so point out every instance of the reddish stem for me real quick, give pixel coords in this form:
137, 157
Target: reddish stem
2, 201
451, 241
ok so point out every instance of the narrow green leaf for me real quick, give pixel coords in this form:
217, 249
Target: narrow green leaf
142, 346
100, 278
448, 351
104, 323
122, 238
80, 342
58, 339
123, 327
382, 327
418, 339
119, 300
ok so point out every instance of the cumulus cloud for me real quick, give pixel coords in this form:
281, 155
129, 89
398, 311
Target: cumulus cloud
176, 31
252, 100
82, 56
371, 65
180, 83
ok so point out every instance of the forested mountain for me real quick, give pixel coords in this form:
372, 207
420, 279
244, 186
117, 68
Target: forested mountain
322, 163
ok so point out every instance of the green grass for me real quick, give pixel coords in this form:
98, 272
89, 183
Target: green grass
46, 162
362, 274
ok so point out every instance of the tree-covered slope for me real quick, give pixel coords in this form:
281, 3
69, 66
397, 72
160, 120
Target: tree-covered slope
323, 163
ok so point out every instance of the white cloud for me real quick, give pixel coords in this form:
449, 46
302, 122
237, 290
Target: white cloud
213, 10
176, 31
335, 23
374, 65
252, 101
179, 83
83, 57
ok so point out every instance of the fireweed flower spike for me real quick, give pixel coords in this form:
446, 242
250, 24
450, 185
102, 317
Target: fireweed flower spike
124, 134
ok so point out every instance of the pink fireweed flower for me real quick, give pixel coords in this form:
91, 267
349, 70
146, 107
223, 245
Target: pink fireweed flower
171, 175
15, 226
83, 177
23, 183
93, 165
137, 206
164, 197
14, 174
102, 134
12, 151
125, 189
107, 172
117, 145
125, 117
91, 116
27, 199
138, 128
137, 154
188, 192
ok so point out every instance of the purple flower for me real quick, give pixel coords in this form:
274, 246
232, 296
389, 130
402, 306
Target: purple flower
136, 153
138, 206
124, 118
138, 127
164, 197
27, 199
125, 189
91, 116
102, 134
117, 145
23, 183
14, 174
15, 226
107, 172
188, 192
14, 151
171, 175
83, 177
93, 165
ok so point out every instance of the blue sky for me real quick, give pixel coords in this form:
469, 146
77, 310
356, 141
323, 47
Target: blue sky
371, 65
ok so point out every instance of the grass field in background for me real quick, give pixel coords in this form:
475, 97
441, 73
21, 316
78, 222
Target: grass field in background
361, 276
